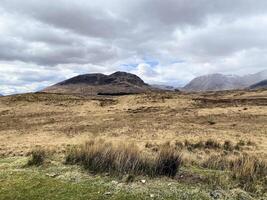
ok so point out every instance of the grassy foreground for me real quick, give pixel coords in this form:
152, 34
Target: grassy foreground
55, 180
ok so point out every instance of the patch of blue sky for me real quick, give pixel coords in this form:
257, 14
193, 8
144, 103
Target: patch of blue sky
150, 61
129, 66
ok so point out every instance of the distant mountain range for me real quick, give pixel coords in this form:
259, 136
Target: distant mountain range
260, 85
164, 87
216, 82
118, 83
122, 83
1, 95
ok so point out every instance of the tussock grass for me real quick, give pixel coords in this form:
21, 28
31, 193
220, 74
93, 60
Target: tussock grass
167, 162
100, 156
37, 157
209, 144
249, 171
227, 145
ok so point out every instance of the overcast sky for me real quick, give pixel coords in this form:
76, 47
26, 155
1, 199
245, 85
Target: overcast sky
163, 41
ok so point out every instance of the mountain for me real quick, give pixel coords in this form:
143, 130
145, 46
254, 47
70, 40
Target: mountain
1, 95
118, 83
163, 87
259, 85
215, 82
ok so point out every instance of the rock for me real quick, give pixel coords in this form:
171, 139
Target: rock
52, 175
143, 181
107, 193
216, 194
152, 195
114, 182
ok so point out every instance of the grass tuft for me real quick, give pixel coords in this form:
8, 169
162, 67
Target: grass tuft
249, 171
102, 157
37, 157
168, 162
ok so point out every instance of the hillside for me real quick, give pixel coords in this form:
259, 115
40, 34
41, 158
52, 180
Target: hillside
217, 82
118, 83
260, 85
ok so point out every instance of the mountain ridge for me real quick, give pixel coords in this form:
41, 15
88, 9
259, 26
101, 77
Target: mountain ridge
117, 83
259, 85
217, 82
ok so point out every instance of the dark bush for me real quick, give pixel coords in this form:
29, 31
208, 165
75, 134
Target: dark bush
37, 157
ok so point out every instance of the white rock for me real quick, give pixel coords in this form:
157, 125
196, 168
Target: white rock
143, 181
114, 182
107, 193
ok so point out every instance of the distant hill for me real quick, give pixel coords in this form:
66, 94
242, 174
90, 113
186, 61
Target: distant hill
118, 83
1, 95
163, 87
216, 82
260, 85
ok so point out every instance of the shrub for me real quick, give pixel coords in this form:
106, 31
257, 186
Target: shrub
37, 157
123, 159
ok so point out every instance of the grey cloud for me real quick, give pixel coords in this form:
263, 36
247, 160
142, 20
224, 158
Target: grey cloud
79, 17
226, 39
62, 38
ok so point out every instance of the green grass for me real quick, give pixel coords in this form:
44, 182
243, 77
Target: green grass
25, 186
18, 182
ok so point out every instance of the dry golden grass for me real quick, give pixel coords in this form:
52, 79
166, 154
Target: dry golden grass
31, 120
249, 171
216, 130
100, 156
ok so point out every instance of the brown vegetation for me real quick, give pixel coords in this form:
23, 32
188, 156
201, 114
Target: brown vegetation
37, 157
100, 156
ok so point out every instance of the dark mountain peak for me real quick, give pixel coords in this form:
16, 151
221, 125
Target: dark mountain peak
90, 79
92, 84
120, 73
127, 77
101, 79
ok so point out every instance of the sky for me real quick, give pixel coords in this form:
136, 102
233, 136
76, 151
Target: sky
163, 41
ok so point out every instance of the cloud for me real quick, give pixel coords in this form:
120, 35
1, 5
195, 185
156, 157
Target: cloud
47, 41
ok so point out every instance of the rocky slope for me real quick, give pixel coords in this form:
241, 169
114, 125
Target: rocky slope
118, 83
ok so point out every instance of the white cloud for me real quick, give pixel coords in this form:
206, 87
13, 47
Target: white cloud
42, 42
